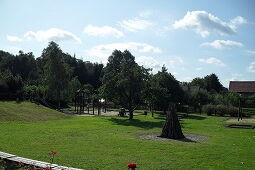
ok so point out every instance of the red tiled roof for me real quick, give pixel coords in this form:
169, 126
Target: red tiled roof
242, 86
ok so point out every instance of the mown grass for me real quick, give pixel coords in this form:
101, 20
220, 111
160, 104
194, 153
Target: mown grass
29, 112
112, 142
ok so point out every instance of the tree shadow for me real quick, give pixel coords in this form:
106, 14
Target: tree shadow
160, 117
196, 117
142, 124
137, 123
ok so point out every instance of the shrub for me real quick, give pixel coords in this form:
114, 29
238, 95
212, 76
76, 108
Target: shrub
209, 109
221, 110
233, 111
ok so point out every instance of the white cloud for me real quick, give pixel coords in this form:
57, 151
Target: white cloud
250, 52
223, 44
199, 68
212, 60
186, 79
156, 65
238, 20
52, 34
204, 23
149, 62
13, 38
251, 67
104, 51
103, 31
135, 24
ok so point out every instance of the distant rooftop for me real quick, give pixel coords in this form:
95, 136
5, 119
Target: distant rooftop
242, 86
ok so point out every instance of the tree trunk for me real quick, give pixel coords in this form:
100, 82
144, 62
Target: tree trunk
99, 109
93, 106
172, 128
164, 111
131, 115
105, 106
59, 105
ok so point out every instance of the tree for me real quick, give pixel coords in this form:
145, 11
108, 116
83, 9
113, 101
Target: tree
56, 72
25, 66
232, 98
198, 82
165, 88
198, 98
10, 84
212, 83
124, 80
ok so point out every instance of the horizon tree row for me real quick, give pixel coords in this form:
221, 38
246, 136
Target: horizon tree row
55, 76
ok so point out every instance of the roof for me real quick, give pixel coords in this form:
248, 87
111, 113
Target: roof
242, 86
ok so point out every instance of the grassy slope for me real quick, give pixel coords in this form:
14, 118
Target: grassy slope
26, 111
111, 142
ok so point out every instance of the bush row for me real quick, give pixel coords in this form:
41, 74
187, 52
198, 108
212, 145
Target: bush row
220, 110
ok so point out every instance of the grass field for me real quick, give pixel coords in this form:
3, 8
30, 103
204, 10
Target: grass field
112, 142
28, 112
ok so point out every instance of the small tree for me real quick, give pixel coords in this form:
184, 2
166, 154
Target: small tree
172, 128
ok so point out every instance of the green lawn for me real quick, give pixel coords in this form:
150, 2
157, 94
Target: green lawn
28, 112
111, 143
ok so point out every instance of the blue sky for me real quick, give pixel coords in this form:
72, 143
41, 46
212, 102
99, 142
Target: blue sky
191, 38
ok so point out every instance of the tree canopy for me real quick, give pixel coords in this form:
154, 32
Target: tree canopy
165, 88
124, 80
55, 76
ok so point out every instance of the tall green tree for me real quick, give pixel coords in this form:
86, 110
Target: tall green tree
212, 83
56, 72
198, 82
165, 89
124, 80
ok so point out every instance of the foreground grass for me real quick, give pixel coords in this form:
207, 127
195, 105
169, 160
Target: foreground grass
112, 142
29, 112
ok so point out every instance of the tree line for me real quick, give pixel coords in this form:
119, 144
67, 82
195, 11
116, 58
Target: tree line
55, 76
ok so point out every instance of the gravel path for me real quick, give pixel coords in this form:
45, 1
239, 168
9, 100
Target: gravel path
188, 137
244, 120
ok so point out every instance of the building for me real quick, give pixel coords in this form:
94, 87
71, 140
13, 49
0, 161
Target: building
246, 88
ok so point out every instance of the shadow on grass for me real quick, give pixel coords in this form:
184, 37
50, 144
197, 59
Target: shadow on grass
196, 117
137, 123
181, 117
141, 124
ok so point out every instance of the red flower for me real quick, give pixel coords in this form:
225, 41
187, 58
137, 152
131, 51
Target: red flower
132, 165
53, 153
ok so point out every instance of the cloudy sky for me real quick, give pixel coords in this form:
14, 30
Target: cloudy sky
191, 38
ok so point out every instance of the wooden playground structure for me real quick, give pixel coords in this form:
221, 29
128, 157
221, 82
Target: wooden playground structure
83, 103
